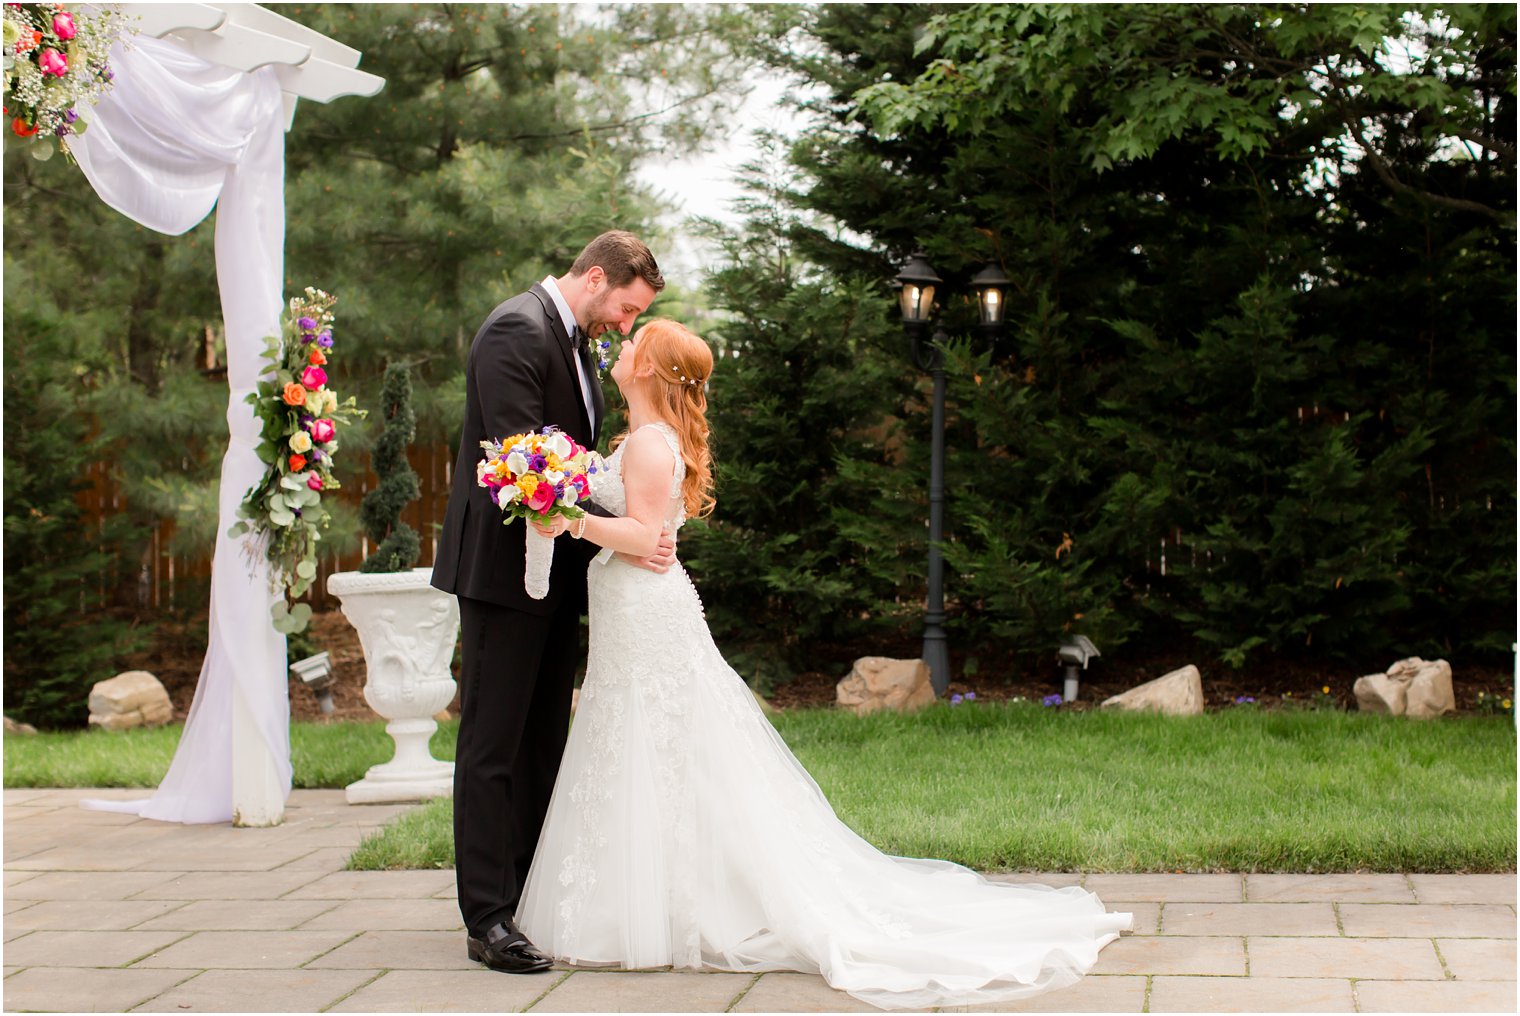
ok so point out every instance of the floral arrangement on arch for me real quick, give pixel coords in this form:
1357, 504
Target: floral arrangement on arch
300, 416
55, 62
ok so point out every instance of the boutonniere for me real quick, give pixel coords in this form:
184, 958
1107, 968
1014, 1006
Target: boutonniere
602, 348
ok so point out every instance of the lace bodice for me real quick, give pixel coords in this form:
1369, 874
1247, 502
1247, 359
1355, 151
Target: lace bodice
607, 488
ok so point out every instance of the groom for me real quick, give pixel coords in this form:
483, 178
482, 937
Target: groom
531, 366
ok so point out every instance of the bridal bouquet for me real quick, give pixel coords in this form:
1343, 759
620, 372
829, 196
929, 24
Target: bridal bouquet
300, 417
55, 62
537, 476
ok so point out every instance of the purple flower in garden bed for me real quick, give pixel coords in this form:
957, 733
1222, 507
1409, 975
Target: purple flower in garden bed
956, 700
1244, 700
1052, 700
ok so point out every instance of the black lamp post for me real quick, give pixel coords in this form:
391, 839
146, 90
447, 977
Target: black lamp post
918, 282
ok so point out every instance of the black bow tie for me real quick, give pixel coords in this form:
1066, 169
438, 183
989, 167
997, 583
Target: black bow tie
578, 339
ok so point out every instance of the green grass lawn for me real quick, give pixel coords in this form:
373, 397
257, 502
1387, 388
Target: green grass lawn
1020, 786
321, 754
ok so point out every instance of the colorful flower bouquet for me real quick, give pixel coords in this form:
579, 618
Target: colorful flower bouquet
537, 476
55, 62
301, 416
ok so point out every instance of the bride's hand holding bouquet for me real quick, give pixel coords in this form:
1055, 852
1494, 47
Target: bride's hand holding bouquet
537, 477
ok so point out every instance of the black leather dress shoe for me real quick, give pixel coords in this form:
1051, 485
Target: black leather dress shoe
507, 949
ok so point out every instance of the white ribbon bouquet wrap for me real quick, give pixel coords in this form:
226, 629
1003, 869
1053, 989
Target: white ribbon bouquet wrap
537, 476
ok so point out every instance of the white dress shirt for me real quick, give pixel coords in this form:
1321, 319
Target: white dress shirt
568, 320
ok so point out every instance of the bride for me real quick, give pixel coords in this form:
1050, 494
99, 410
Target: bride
683, 832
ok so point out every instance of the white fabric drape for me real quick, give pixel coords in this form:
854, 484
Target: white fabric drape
174, 137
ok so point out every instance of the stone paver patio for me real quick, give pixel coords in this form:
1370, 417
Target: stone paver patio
111, 913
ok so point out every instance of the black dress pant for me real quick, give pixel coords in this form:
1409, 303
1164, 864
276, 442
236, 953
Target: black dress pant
518, 672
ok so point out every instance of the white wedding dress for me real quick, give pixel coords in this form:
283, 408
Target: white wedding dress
683, 833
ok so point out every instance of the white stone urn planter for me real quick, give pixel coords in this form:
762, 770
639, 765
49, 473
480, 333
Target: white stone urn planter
408, 630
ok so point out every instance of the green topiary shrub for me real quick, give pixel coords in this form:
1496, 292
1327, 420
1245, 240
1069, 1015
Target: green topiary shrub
397, 546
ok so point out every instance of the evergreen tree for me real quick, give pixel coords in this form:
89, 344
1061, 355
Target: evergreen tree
1227, 338
397, 546
59, 638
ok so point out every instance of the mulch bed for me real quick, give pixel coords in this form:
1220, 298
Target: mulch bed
180, 643
180, 647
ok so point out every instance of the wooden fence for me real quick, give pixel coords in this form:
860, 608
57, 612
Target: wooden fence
168, 579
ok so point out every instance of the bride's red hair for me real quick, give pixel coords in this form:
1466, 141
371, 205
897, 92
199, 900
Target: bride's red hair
681, 364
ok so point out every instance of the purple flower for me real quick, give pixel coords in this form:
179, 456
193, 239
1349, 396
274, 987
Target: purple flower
325, 340
547, 430
1241, 700
956, 700
970, 696
62, 130
316, 455
1051, 700
70, 114
538, 463
493, 493
306, 338
307, 324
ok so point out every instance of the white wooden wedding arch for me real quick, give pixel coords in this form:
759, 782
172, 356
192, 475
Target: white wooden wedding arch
196, 119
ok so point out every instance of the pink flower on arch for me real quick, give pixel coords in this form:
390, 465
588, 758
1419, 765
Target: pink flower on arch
314, 482
50, 61
63, 26
313, 378
323, 431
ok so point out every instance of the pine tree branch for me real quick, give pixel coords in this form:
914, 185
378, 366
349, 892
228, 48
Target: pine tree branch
613, 126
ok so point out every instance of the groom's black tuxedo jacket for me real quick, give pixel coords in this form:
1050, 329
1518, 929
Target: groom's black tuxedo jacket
520, 377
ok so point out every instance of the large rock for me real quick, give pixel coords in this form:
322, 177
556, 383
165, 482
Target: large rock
878, 682
1179, 693
12, 727
1379, 693
1413, 687
133, 699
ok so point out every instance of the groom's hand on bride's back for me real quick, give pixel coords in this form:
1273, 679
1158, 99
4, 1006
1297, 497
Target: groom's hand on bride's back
663, 557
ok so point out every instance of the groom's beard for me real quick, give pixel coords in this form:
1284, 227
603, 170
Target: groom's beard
596, 316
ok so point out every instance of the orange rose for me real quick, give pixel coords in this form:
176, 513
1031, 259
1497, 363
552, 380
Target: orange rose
295, 395
317, 357
297, 463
